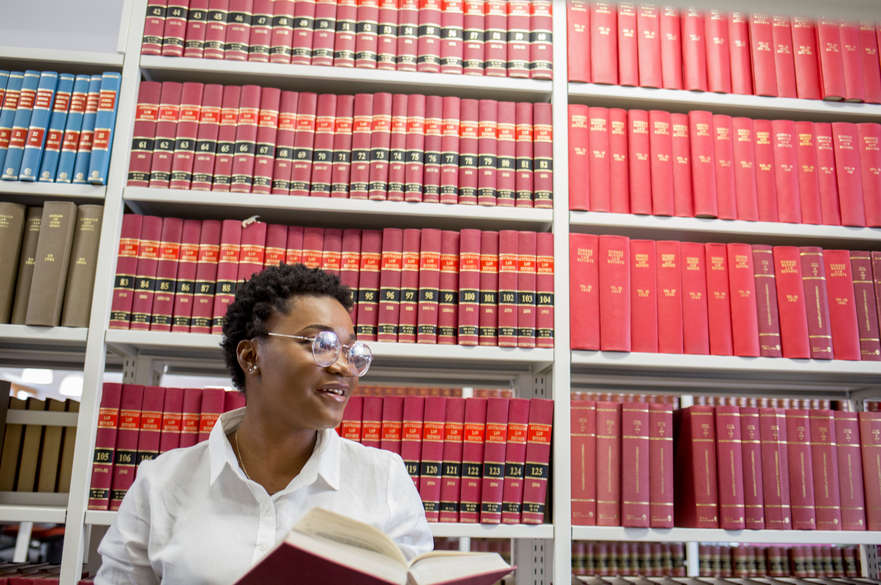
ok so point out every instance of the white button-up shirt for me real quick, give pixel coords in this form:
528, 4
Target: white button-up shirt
193, 518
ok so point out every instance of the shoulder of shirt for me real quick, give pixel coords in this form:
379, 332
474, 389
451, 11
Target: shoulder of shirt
370, 455
165, 467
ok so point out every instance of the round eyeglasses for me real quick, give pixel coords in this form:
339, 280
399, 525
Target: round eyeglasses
326, 349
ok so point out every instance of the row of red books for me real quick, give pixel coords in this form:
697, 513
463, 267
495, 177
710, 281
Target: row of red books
726, 53
368, 390
625, 471
705, 165
714, 400
736, 299
409, 285
32, 573
652, 559
745, 560
137, 423
473, 459
475, 37
382, 146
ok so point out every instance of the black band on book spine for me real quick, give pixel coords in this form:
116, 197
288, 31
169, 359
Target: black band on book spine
390, 295
144, 284
452, 469
245, 148
303, 23
449, 506
468, 295
241, 18
264, 20
364, 26
164, 144
155, 11
266, 150
320, 156
511, 507
525, 298
514, 470
185, 145
429, 30
428, 295
125, 457
142, 144
103, 455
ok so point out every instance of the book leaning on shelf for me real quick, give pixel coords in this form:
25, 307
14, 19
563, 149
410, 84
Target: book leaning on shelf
330, 548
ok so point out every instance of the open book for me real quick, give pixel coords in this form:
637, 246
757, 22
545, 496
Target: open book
325, 547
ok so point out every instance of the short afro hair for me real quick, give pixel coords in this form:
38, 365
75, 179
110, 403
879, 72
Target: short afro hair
270, 291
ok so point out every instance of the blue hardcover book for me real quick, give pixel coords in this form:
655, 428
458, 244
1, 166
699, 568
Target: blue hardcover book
104, 124
71, 139
7, 111
36, 139
54, 136
20, 125
87, 134
4, 77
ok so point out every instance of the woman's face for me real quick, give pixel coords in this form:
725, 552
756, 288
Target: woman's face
290, 384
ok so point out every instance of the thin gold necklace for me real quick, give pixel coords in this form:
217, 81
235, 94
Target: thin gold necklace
235, 440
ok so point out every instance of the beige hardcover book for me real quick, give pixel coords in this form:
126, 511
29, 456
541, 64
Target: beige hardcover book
5, 389
81, 273
50, 451
11, 445
52, 259
11, 227
65, 468
26, 261
30, 451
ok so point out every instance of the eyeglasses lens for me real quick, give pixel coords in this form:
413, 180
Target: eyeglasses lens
326, 350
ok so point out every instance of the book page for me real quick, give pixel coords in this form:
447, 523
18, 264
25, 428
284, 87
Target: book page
455, 567
339, 528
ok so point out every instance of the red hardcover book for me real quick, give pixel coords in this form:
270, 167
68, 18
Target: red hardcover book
392, 423
344, 41
683, 199
125, 456
695, 337
432, 457
729, 455
246, 137
371, 421
448, 314
487, 330
166, 130
324, 26
842, 305
473, 445
508, 288
808, 186
768, 319
850, 471
506, 180
190, 413
387, 33
495, 49
474, 35
827, 174
350, 262
775, 468
451, 471
368, 284
261, 31
648, 26
854, 87
751, 447
518, 34
791, 302
397, 148
718, 60
584, 296
380, 140
206, 137
619, 165
703, 166
226, 138
105, 445
411, 435
409, 295
166, 274
154, 27
640, 162
238, 30
524, 179
671, 49
600, 156
579, 158
304, 138
417, 148
185, 285
350, 427
608, 463
662, 162
206, 276
322, 153
870, 164
696, 496
603, 43
362, 122
469, 286
766, 184
583, 452
149, 433
267, 131
694, 52
526, 281
628, 59
429, 285
824, 456
746, 198
876, 273
786, 171
215, 29
670, 299
831, 60
390, 284
813, 274
870, 65
408, 35
468, 151
313, 245
252, 251
635, 460
643, 295
578, 40
126, 271
227, 271
301, 40
723, 152
744, 304
866, 305
493, 478
187, 134
614, 287
487, 151
449, 171
763, 57
452, 34
536, 470
143, 134
541, 23
145, 275
544, 290
660, 465
784, 65
739, 51
169, 434
805, 56
515, 457
282, 31
342, 146
801, 474
718, 300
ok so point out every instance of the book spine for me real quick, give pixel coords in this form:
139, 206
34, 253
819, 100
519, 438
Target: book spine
541, 39
644, 295
154, 27
345, 33
304, 139
487, 330
526, 288
487, 151
162, 309
718, 53
695, 337
323, 35
703, 168
474, 37
21, 122
784, 65
473, 448
805, 56
739, 51
451, 472
578, 40
176, 14
826, 174
428, 47
350, 426
416, 153
870, 164
662, 163
284, 143
791, 302
515, 457
190, 412
493, 472
544, 290
824, 457
683, 204
431, 461
411, 435
145, 276
869, 56
766, 185
426, 164
850, 468
392, 423
543, 156
744, 306
508, 288
816, 302
368, 283
698, 502
215, 29
55, 131
640, 164
768, 319
524, 175
854, 87
832, 83
694, 53
206, 272
671, 49
151, 423
468, 151
312, 246
718, 300
801, 475
608, 464
635, 460
267, 132
775, 469
619, 166
350, 262
144, 132
469, 286
762, 49
35, 138
536, 470
648, 25
808, 186
366, 34
126, 271
449, 172
429, 285
342, 146
614, 287
726, 194
579, 158
448, 314
584, 291
238, 30
397, 152
226, 138
87, 135
377, 187
751, 444
847, 165
518, 38
669, 296
227, 271
125, 457
409, 296
603, 43
583, 461
166, 131
390, 284
206, 137
322, 153
105, 446
195, 28
186, 136
10, 104
282, 31
252, 251
169, 435
371, 421
185, 285
842, 305
387, 34
729, 455
660, 465
866, 306
786, 171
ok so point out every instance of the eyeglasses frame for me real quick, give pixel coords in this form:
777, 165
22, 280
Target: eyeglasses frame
343, 346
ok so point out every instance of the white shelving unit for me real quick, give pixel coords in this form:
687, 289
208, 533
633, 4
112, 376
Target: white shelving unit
709, 535
60, 59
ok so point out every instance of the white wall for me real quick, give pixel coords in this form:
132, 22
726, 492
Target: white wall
86, 25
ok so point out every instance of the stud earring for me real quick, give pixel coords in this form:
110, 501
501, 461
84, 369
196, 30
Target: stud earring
253, 369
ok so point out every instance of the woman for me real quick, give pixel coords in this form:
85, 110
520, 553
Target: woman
205, 514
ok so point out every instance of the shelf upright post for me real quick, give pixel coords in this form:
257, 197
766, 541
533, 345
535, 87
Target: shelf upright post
102, 296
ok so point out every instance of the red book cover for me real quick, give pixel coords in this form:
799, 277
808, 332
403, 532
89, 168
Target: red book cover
729, 455
238, 30
876, 273
543, 146
824, 456
583, 452
474, 34
739, 51
584, 296
487, 330
380, 140
261, 31
304, 137
495, 49
813, 274
648, 26
660, 465
154, 27
185, 285
842, 305
791, 302
215, 29
350, 261
643, 296
786, 171
608, 463
784, 65
541, 22
322, 153
854, 87
751, 446
342, 146
233, 400
409, 295
536, 470
603, 43
831, 60
125, 457
390, 283
345, 34
694, 52
718, 300
745, 196
451, 471
252, 251
387, 33
429, 283
718, 60
662, 162
640, 163
416, 151
143, 134
227, 271
696, 496
105, 445
432, 457
683, 200
323, 35
695, 337
518, 30
126, 271
350, 427
301, 40
600, 181
166, 274
768, 317
469, 287
362, 124
670, 316
827, 176
805, 55
267, 132
628, 59
671, 49
506, 179
226, 138
870, 165
448, 307
723, 152
766, 183
524, 151
449, 172
619, 165
371, 421
775, 468
801, 474
313, 246
408, 35
284, 143
149, 433
368, 284
544, 290
870, 65
169, 435
515, 457
866, 305
614, 286
166, 131
452, 33
850, 471
744, 304
703, 166
526, 280
206, 137
186, 133
473, 445
190, 413
411, 435
206, 276
145, 275
246, 137
392, 423
763, 57
508, 287
487, 151
397, 148
808, 186
635, 459
493, 477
